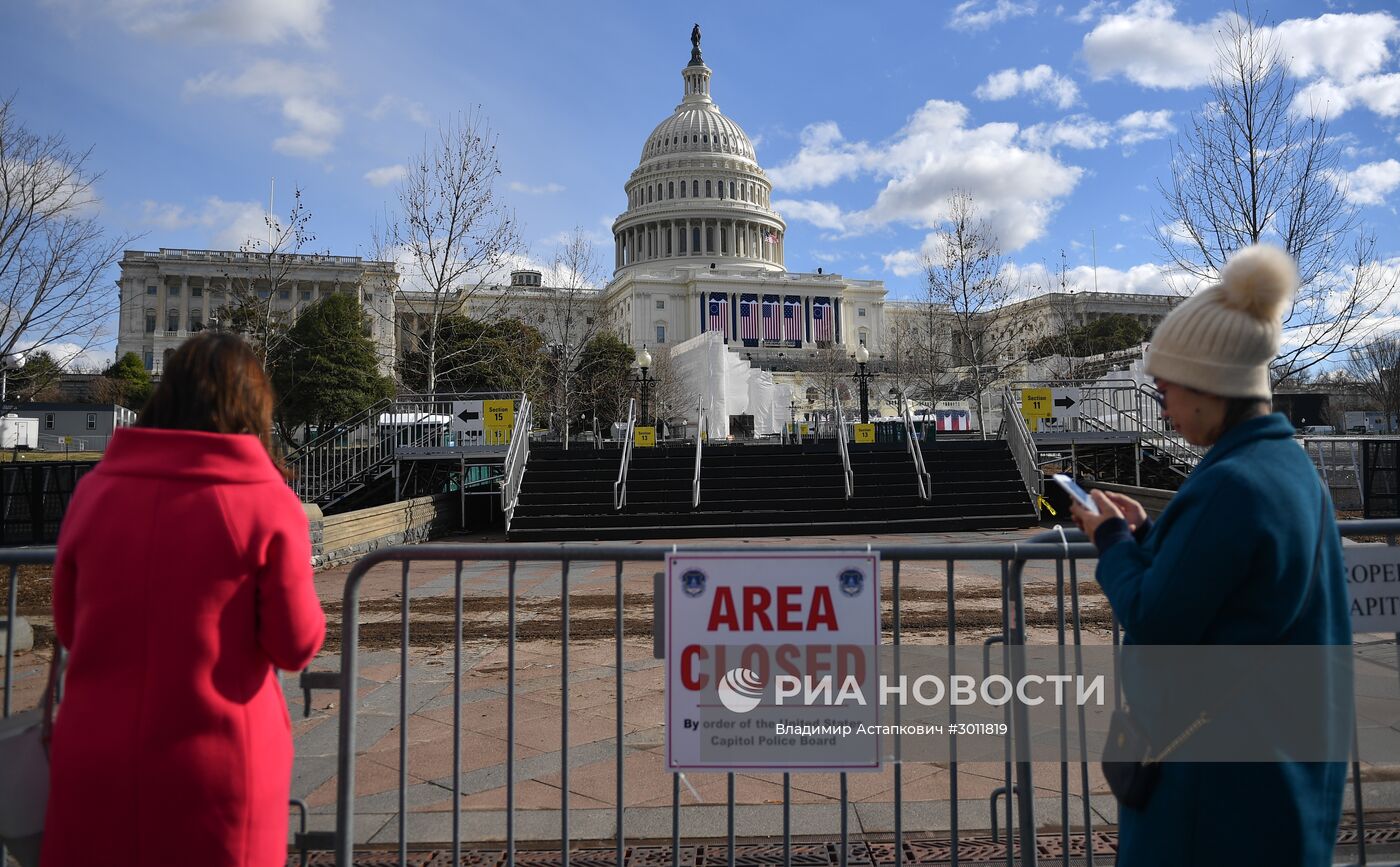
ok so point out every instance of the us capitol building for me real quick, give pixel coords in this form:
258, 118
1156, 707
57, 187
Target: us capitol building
699, 248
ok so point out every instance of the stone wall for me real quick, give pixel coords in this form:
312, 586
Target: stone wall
338, 538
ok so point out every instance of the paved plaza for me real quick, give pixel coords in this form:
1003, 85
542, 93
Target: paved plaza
928, 788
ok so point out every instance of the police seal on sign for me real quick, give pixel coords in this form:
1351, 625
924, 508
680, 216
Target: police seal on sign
852, 580
693, 582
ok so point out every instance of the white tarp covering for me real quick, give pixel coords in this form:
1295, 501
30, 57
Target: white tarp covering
727, 385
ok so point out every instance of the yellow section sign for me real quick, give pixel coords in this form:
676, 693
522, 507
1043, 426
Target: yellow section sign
865, 433
498, 418
644, 437
1037, 403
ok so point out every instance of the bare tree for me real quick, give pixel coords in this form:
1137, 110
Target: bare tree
568, 313
965, 277
904, 369
1375, 367
1251, 169
825, 378
452, 234
54, 256
252, 308
1062, 357
668, 395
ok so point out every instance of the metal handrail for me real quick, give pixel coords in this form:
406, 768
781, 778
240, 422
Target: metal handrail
921, 474
843, 446
701, 429
1022, 444
513, 470
620, 486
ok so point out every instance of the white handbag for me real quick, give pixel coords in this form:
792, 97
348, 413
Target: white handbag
24, 786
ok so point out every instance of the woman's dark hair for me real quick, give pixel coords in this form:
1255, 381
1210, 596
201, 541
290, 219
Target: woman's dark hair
214, 383
1241, 409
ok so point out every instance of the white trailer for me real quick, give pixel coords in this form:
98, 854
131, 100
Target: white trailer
16, 432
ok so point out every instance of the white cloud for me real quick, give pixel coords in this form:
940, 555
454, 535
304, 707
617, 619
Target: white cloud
903, 263
548, 189
1014, 188
391, 103
1086, 133
981, 14
76, 358
1143, 279
1088, 12
1340, 46
260, 22
1328, 99
1369, 184
300, 89
1141, 126
227, 225
823, 158
823, 215
386, 175
1147, 45
1041, 81
1076, 131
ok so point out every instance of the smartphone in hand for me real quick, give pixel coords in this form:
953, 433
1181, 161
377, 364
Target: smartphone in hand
1078, 494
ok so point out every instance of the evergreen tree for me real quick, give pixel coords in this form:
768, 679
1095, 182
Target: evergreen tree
131, 381
328, 368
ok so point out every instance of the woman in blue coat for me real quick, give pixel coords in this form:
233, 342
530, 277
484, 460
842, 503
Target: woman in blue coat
1236, 558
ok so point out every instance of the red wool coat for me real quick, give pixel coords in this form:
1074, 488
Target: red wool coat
183, 578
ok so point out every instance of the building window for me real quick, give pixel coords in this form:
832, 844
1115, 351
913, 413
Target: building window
173, 291
284, 294
196, 291
731, 189
48, 421
150, 321
196, 319
695, 189
306, 294
264, 294
671, 190
172, 320
148, 358
661, 304
150, 289
860, 311
661, 334
682, 189
648, 192
588, 320
92, 421
709, 191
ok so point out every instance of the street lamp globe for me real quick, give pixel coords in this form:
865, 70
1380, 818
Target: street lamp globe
862, 354
644, 358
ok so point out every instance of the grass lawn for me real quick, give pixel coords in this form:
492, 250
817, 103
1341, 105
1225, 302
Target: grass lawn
25, 457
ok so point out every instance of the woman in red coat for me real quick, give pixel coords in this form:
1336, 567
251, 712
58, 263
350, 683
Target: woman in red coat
183, 580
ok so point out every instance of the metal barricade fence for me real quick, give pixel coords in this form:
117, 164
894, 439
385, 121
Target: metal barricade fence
1060, 552
1057, 551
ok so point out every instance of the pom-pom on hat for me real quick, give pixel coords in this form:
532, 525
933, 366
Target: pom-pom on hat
1221, 339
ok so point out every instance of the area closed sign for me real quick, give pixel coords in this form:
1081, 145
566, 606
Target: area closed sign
1373, 585
737, 627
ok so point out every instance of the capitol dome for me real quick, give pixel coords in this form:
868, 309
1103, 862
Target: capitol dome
698, 192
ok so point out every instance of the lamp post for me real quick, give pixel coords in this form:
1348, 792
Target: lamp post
644, 365
862, 357
7, 362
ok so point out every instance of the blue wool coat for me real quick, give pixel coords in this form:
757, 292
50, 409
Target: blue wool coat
1230, 561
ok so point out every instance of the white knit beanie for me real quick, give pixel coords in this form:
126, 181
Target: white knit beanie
1221, 339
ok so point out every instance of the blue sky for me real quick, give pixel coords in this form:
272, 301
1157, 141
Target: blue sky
1057, 117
